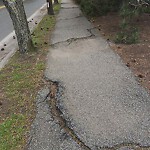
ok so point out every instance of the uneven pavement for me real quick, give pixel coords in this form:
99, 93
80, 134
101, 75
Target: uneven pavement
98, 97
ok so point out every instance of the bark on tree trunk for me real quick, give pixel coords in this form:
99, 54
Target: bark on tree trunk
55, 1
18, 16
50, 7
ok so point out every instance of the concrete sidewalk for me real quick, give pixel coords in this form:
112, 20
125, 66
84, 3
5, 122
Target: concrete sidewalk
102, 101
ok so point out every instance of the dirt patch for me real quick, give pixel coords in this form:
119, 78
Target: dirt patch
135, 56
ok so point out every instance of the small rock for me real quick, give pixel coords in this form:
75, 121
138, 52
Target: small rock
118, 47
103, 34
92, 21
33, 34
2, 49
128, 65
140, 76
133, 60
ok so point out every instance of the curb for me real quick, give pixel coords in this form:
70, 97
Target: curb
11, 42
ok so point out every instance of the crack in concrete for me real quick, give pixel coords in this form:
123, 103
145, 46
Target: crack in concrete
63, 123
46, 96
58, 115
28, 143
69, 41
90, 30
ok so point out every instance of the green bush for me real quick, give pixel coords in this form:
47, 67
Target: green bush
88, 7
99, 7
146, 9
105, 6
129, 36
78, 1
102, 7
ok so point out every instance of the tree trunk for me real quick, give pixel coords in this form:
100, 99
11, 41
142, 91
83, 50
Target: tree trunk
55, 1
18, 16
50, 7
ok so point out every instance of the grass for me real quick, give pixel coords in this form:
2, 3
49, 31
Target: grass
12, 131
20, 81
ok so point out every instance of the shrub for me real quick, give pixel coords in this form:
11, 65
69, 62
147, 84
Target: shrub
146, 9
128, 36
78, 1
105, 6
99, 7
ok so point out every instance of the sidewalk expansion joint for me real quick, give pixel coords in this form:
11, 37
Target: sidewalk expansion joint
58, 115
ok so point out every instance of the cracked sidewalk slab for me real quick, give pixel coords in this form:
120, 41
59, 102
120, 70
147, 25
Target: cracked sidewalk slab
67, 27
45, 132
102, 99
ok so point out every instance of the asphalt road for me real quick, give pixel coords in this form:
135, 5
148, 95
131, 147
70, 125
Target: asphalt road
5, 22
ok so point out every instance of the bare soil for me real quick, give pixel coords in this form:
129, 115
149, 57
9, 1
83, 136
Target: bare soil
135, 56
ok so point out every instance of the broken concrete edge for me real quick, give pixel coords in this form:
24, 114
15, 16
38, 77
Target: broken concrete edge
49, 95
53, 96
71, 124
13, 47
41, 97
